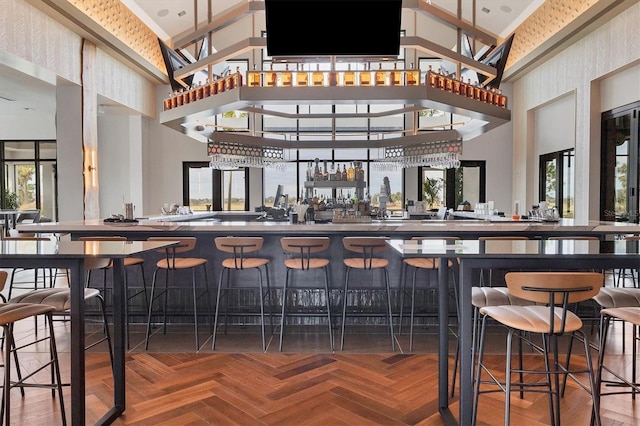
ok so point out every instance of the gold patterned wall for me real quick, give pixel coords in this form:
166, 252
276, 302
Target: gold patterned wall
116, 18
551, 17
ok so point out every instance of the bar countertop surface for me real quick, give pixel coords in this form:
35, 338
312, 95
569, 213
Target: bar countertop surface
204, 225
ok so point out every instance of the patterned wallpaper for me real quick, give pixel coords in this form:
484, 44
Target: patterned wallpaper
116, 18
546, 21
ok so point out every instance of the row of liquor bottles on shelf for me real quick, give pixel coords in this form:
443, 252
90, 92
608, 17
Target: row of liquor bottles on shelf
458, 86
321, 78
349, 78
355, 172
203, 90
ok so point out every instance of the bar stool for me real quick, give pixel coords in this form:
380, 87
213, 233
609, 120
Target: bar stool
551, 317
300, 249
428, 264
616, 379
10, 313
36, 282
170, 264
129, 262
367, 248
60, 299
239, 248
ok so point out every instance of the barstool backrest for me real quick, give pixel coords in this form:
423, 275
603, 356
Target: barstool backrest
365, 245
305, 245
562, 287
184, 244
239, 245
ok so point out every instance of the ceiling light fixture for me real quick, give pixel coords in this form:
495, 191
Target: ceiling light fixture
163, 12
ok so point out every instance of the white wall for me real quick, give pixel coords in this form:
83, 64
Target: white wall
610, 52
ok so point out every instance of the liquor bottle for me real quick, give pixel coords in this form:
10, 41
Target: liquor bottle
503, 99
237, 78
332, 171
413, 76
349, 78
254, 77
302, 77
381, 76
213, 87
344, 173
489, 98
333, 76
286, 77
309, 172
357, 171
220, 84
448, 83
326, 171
441, 79
206, 89
432, 78
477, 92
456, 85
364, 77
463, 87
174, 99
272, 77
395, 76
166, 104
470, 90
351, 173
316, 170
199, 91
180, 98
338, 174
318, 77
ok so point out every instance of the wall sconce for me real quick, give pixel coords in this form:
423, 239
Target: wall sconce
91, 175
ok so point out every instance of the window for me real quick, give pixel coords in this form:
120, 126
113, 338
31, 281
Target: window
451, 187
29, 178
220, 190
557, 181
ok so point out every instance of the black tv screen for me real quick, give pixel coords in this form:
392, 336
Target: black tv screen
333, 27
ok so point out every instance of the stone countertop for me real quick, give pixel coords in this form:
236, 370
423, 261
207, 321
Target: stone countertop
378, 227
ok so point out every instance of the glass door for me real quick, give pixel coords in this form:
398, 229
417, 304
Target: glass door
619, 183
557, 181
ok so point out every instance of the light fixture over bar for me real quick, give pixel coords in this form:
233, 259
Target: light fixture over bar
441, 154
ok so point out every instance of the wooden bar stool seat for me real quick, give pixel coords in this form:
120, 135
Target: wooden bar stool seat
367, 249
301, 249
242, 250
171, 264
10, 313
549, 315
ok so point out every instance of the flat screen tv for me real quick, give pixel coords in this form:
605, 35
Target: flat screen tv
320, 28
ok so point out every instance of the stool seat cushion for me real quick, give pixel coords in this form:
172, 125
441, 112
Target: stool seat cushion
313, 263
425, 262
245, 263
59, 298
12, 312
359, 263
181, 263
534, 318
495, 296
628, 314
609, 297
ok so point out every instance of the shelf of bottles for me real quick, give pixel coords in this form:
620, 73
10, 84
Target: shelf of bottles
318, 175
226, 156
203, 90
380, 77
443, 155
467, 89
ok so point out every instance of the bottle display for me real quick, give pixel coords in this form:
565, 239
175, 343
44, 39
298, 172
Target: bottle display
286, 77
206, 89
199, 91
254, 78
272, 77
381, 76
364, 77
351, 173
221, 84
318, 77
344, 172
180, 98
432, 78
166, 103
338, 174
237, 78
440, 79
302, 77
412, 76
349, 78
395, 76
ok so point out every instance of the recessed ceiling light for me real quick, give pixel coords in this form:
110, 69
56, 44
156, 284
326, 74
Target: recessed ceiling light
181, 14
163, 12
505, 8
485, 10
